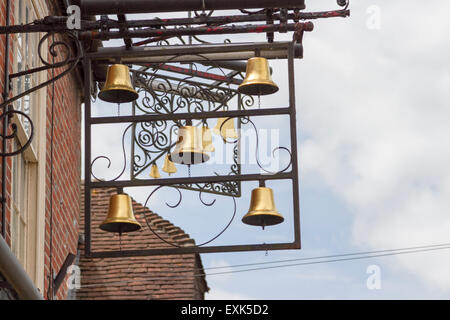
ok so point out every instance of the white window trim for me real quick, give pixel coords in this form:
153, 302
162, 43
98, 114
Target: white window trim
35, 156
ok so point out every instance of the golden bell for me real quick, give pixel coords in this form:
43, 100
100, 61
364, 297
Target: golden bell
154, 172
258, 80
262, 211
118, 88
225, 128
207, 140
169, 167
120, 217
189, 148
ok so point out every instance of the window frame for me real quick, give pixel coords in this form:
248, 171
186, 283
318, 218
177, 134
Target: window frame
32, 210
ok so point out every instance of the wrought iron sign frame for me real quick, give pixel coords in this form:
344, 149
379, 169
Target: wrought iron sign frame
290, 50
157, 30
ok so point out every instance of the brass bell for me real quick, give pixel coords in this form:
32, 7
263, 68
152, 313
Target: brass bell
118, 88
120, 217
189, 148
154, 172
207, 140
258, 81
262, 211
169, 167
225, 128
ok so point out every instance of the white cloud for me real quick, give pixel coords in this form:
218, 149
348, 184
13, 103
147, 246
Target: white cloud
379, 135
220, 266
220, 294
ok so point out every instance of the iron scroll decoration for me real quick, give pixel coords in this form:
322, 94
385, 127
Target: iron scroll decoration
164, 94
204, 188
71, 60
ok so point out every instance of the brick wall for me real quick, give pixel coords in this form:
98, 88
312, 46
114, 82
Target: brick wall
61, 225
63, 236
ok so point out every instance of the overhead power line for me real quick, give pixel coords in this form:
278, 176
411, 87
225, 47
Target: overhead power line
321, 260
444, 246
331, 260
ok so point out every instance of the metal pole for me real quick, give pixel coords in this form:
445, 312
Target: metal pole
53, 23
99, 7
191, 116
192, 180
5, 119
112, 53
293, 125
189, 31
194, 249
14, 273
87, 154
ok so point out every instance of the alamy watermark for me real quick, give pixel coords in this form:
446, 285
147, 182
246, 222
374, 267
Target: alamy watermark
74, 17
374, 280
261, 147
373, 21
74, 279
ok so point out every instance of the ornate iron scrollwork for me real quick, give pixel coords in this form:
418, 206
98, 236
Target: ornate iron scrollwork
71, 60
13, 134
163, 93
180, 199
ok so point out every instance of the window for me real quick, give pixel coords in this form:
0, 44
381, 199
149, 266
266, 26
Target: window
28, 169
19, 208
25, 49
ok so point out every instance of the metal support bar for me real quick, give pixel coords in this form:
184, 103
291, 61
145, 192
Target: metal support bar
176, 181
189, 31
62, 272
188, 250
87, 151
58, 24
98, 7
122, 22
5, 122
195, 73
230, 56
113, 53
294, 146
191, 116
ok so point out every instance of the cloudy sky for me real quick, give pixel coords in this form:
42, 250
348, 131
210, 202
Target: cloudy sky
373, 95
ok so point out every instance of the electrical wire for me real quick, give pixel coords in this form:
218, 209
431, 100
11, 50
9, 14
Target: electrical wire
444, 246
322, 260
50, 280
331, 260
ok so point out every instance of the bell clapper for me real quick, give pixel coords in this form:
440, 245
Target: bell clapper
189, 170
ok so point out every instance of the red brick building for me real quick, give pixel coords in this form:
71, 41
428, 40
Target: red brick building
42, 212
